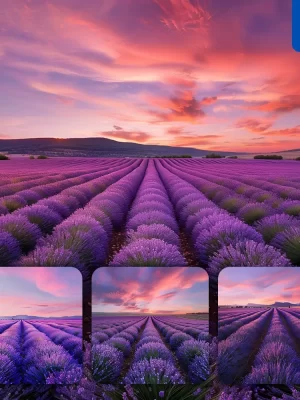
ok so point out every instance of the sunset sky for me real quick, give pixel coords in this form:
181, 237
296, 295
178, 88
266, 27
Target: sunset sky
44, 292
240, 286
158, 290
211, 74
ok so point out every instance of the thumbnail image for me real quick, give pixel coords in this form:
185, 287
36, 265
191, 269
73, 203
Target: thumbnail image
150, 325
259, 326
40, 325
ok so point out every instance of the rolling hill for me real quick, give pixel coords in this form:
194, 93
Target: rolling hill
95, 147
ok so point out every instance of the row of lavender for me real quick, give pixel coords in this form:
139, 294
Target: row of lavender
150, 350
269, 205
163, 204
259, 347
22, 233
40, 353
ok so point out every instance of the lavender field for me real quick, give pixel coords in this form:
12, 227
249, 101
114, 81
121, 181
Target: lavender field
259, 346
127, 212
40, 351
150, 350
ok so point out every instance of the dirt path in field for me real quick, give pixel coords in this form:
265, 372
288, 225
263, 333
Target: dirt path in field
246, 368
129, 360
295, 340
116, 243
187, 250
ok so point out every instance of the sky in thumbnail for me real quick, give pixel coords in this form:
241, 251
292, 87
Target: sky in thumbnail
40, 291
211, 74
240, 286
150, 290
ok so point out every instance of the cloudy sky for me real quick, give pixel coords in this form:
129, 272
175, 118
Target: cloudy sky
212, 74
154, 290
241, 286
39, 291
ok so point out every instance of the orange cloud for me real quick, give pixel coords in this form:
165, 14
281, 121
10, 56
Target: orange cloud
284, 105
183, 106
136, 136
254, 125
295, 131
184, 15
189, 141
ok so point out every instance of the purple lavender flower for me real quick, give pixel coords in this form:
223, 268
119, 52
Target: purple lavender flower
247, 253
145, 206
289, 242
99, 337
57, 205
153, 350
42, 216
152, 217
148, 339
233, 203
198, 369
253, 212
21, 229
154, 231
50, 256
125, 335
9, 249
177, 339
107, 363
149, 252
30, 196
269, 227
153, 371
189, 349
12, 203
9, 373
99, 216
121, 344
290, 207
223, 234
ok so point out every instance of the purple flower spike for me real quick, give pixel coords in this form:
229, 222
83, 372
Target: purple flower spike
149, 252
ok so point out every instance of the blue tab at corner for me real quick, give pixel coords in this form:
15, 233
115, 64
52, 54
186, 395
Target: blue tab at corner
296, 25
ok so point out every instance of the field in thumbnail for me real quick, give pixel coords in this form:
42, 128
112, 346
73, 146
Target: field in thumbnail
150, 325
259, 326
40, 326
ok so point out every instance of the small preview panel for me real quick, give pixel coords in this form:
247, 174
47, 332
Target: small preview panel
259, 326
40, 325
150, 325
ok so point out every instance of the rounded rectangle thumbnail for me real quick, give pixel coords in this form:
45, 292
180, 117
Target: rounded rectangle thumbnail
150, 325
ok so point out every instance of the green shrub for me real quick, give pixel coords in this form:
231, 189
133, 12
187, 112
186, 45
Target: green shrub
233, 157
297, 159
3, 157
41, 157
31, 157
214, 155
268, 157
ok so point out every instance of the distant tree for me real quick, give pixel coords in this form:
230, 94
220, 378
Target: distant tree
213, 155
268, 157
3, 157
233, 157
42, 157
174, 156
297, 159
31, 157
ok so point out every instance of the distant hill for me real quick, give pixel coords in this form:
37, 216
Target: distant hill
95, 147
276, 304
